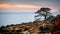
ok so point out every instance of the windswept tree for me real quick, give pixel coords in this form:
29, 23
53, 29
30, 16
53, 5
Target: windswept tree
43, 12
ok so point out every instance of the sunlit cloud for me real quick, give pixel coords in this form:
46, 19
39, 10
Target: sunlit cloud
23, 7
18, 6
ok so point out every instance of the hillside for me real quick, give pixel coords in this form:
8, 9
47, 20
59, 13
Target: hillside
36, 27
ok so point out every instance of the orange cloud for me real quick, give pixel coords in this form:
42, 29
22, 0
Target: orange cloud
18, 6
4, 6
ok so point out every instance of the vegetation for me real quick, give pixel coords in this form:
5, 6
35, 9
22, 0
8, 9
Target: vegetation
43, 12
10, 32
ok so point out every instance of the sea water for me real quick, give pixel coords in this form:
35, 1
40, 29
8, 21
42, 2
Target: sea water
7, 18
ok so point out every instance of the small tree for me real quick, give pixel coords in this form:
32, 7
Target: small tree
43, 12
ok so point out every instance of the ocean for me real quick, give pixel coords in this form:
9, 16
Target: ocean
8, 18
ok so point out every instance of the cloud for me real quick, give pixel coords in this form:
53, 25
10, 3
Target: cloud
23, 7
18, 6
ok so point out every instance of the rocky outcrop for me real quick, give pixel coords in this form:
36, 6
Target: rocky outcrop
56, 23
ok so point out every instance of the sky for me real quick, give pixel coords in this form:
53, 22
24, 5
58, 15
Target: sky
18, 11
28, 5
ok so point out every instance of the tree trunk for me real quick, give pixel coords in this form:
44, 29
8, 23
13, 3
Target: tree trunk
45, 18
45, 15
